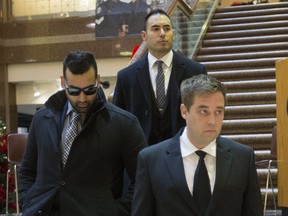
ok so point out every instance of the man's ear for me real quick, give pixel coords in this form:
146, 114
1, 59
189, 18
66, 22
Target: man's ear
143, 35
62, 82
183, 111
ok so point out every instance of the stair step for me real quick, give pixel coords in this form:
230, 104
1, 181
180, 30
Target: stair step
264, 62
262, 155
264, 171
245, 33
263, 191
243, 48
250, 111
260, 141
247, 26
244, 74
236, 20
250, 98
248, 55
251, 7
245, 40
248, 126
250, 85
248, 13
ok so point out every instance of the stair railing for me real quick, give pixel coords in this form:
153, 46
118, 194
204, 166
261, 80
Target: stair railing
201, 18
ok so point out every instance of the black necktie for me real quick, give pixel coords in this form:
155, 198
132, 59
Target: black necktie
160, 87
201, 188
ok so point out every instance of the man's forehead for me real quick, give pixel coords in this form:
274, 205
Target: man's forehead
159, 17
207, 97
160, 25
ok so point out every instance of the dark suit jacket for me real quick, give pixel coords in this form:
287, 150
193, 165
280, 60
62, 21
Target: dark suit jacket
161, 188
134, 93
91, 181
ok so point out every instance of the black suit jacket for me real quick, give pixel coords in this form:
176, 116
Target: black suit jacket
134, 93
161, 188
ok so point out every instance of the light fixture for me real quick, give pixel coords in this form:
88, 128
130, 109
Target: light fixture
36, 92
90, 25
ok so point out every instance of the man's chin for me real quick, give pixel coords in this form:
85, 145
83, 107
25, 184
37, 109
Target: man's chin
82, 109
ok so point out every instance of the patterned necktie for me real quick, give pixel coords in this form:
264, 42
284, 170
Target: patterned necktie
160, 87
201, 188
71, 133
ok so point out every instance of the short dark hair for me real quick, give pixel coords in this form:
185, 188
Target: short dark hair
153, 12
79, 62
197, 85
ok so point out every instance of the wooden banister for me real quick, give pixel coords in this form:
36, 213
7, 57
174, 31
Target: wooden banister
282, 129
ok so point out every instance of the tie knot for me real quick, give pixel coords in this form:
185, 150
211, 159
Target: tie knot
75, 116
201, 154
159, 63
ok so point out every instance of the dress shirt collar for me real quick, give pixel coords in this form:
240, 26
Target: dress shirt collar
167, 59
69, 109
188, 148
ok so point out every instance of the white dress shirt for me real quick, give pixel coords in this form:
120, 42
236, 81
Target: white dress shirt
190, 160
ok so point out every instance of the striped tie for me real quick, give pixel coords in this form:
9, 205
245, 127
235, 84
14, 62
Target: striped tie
160, 87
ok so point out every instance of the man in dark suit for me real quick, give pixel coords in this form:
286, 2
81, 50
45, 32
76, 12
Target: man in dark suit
136, 85
63, 175
167, 172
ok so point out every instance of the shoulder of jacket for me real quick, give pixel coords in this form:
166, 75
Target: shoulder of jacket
233, 144
113, 109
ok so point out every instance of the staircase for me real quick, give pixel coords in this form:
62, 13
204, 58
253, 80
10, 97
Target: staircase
240, 48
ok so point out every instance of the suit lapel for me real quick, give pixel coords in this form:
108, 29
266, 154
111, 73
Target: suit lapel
54, 131
223, 165
178, 68
143, 77
176, 77
175, 167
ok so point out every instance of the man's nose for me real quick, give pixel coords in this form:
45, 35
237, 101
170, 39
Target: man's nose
82, 96
162, 32
212, 119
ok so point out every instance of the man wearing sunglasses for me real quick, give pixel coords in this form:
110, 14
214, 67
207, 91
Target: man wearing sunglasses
87, 178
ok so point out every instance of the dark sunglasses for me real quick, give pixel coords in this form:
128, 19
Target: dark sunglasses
74, 91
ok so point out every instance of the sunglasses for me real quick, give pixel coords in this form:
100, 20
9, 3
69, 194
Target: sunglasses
74, 91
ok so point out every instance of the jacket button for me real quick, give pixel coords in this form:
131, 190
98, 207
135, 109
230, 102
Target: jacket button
146, 112
40, 212
62, 182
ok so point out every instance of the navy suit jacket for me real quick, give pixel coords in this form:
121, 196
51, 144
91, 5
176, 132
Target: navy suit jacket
161, 188
134, 93
91, 183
